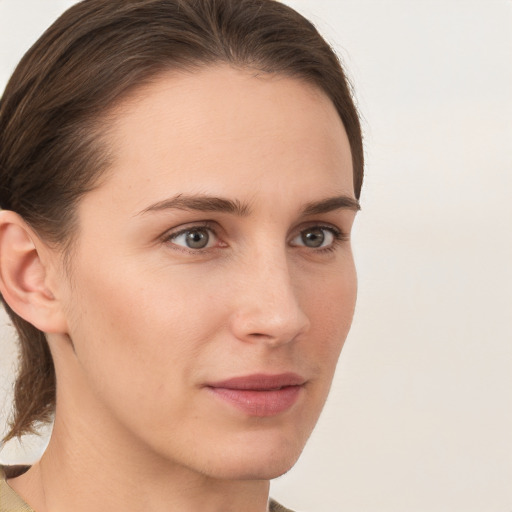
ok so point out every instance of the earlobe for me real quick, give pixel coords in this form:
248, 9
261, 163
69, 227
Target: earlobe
24, 275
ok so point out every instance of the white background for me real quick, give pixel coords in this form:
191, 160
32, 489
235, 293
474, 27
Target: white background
420, 415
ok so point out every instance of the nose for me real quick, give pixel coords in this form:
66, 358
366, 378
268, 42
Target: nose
267, 308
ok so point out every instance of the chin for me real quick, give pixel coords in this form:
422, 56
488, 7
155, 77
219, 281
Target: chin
254, 469
255, 461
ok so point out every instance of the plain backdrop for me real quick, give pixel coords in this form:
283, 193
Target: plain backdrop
420, 414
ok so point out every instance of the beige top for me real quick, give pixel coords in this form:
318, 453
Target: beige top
12, 502
9, 500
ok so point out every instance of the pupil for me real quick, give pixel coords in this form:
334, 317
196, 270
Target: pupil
197, 239
313, 238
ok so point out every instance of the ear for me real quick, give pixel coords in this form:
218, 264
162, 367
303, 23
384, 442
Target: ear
25, 275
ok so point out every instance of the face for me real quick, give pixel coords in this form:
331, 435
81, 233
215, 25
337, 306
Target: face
212, 284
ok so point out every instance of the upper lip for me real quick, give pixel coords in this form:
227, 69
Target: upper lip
260, 382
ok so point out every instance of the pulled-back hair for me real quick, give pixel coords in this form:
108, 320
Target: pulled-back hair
54, 111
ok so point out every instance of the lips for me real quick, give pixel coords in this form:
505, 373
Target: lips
260, 394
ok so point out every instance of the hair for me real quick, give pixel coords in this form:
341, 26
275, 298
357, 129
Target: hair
54, 109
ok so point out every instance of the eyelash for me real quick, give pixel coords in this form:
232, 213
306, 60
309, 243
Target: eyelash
338, 237
170, 236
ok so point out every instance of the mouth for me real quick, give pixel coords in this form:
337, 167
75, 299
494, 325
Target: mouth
260, 394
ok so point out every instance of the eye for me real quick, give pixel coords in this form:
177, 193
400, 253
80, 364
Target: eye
198, 237
317, 237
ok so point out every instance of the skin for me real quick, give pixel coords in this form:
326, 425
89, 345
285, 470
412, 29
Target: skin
141, 322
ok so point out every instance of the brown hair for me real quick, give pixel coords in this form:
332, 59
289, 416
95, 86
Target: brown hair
52, 114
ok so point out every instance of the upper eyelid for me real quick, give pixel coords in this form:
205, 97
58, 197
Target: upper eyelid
321, 225
337, 233
183, 228
172, 234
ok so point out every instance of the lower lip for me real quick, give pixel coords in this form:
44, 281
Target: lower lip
260, 403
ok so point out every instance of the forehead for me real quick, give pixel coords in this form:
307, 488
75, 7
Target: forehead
220, 126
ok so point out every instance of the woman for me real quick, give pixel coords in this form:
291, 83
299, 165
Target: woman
178, 183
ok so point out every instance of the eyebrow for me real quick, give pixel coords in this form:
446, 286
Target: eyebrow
200, 203
218, 204
332, 204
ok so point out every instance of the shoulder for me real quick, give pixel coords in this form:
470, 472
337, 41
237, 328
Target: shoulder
275, 507
9, 500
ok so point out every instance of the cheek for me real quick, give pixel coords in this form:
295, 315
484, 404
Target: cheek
134, 329
330, 305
